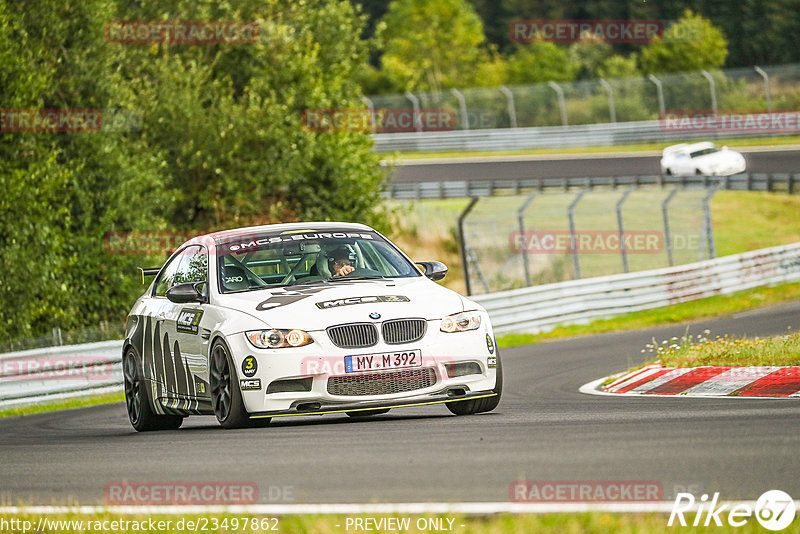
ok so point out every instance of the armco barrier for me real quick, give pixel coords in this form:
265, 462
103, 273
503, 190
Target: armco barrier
775, 182
581, 135
56, 373
542, 308
31, 376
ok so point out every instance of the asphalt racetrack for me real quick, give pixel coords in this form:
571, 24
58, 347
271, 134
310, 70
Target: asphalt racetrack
544, 429
763, 160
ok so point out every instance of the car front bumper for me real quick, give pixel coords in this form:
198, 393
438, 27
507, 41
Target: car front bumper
432, 382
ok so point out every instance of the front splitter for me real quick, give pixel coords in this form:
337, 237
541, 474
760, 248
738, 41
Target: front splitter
363, 407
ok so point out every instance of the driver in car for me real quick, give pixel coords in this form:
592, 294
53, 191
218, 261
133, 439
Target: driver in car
340, 263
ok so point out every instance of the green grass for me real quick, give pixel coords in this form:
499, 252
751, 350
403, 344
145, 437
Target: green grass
708, 349
641, 147
578, 523
64, 404
676, 313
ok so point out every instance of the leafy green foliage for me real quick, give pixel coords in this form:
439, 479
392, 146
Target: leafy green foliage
218, 142
431, 45
691, 44
540, 62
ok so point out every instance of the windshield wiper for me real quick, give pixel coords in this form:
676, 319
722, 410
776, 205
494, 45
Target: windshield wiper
362, 277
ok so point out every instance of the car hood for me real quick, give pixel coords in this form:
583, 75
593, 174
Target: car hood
318, 306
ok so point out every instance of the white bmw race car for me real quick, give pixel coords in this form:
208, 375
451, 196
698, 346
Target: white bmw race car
302, 319
704, 159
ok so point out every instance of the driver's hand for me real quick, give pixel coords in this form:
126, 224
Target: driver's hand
345, 270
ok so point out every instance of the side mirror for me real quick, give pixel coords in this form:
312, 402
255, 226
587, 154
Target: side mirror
188, 292
435, 270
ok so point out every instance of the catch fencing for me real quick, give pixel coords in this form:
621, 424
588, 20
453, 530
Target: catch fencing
593, 112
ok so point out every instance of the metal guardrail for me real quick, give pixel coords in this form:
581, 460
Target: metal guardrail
57, 373
776, 182
542, 308
582, 135
40, 375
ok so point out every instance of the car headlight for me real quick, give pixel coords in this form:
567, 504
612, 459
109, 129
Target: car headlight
461, 322
278, 339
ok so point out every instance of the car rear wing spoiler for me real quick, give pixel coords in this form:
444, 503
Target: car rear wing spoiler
151, 271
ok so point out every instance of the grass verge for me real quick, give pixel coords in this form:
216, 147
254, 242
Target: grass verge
640, 147
64, 404
707, 349
579, 523
677, 313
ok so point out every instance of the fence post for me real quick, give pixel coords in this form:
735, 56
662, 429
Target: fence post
660, 91
712, 88
57, 338
621, 228
708, 227
612, 111
767, 91
561, 103
462, 106
521, 222
576, 265
371, 109
512, 111
415, 106
463, 241
665, 216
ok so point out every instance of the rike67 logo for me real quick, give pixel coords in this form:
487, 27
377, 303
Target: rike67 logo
774, 510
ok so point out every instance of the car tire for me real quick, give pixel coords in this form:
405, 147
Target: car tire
137, 398
367, 413
481, 405
226, 397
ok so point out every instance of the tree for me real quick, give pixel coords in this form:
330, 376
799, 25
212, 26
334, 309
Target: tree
220, 143
693, 43
431, 45
539, 62
63, 190
618, 66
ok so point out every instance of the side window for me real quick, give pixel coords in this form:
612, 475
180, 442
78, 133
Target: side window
194, 266
189, 265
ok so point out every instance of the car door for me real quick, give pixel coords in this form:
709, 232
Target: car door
178, 345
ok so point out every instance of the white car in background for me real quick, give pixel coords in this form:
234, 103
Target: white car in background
705, 159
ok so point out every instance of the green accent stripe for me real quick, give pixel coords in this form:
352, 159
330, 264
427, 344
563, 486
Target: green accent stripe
374, 408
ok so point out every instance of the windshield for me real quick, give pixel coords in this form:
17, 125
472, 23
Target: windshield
275, 259
704, 151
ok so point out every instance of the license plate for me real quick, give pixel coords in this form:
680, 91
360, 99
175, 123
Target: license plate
383, 360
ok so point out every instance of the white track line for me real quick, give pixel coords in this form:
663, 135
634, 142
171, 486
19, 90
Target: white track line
468, 508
